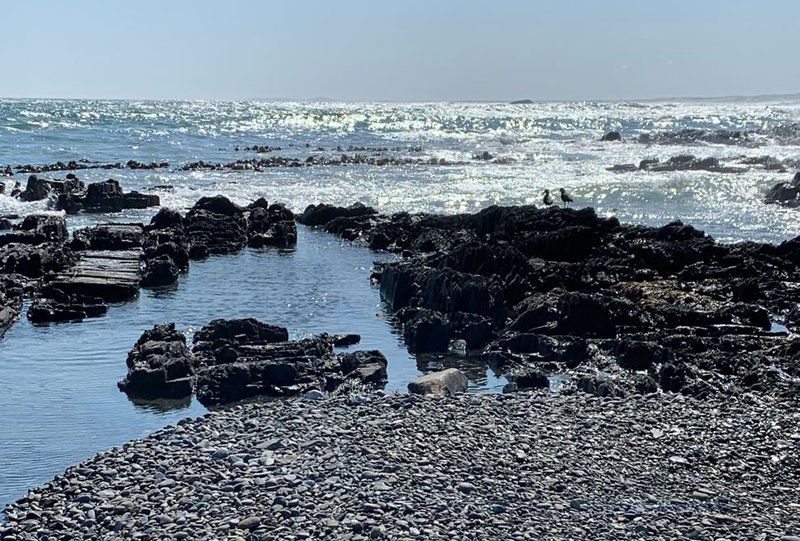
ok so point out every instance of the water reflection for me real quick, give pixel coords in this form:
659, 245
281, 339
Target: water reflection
162, 405
482, 378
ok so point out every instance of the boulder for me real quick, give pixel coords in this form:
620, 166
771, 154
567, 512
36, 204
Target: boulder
166, 218
215, 225
160, 271
447, 382
272, 226
159, 365
531, 379
611, 136
785, 193
102, 197
37, 189
218, 204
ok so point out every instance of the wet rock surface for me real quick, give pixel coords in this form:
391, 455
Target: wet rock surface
615, 307
37, 189
104, 197
785, 193
684, 162
236, 359
522, 466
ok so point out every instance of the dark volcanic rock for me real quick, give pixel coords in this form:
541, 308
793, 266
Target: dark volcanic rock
58, 306
37, 229
248, 330
271, 226
242, 358
11, 292
785, 193
642, 306
166, 218
37, 189
160, 271
35, 261
612, 136
106, 196
159, 365
315, 215
108, 237
215, 225
218, 204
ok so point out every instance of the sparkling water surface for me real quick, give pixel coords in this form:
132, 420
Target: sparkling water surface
58, 397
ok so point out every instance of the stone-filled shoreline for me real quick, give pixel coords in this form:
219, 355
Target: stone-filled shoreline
521, 466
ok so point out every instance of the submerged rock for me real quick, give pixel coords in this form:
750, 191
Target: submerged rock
59, 307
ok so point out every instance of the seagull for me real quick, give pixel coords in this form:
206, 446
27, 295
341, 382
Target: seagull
547, 199
565, 197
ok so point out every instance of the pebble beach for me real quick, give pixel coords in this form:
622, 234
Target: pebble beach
521, 466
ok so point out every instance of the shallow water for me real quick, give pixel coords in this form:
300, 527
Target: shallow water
58, 398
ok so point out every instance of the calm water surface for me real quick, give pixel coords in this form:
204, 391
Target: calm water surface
58, 397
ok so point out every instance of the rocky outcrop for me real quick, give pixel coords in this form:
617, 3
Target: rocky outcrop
697, 136
684, 162
103, 197
271, 225
37, 189
215, 225
611, 136
108, 237
37, 229
243, 358
618, 308
785, 193
160, 365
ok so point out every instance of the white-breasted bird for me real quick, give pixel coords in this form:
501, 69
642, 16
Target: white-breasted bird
547, 199
565, 197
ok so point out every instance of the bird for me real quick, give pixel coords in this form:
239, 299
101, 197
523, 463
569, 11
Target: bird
547, 199
565, 197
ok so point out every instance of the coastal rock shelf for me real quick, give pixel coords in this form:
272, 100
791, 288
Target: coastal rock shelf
524, 466
73, 280
544, 292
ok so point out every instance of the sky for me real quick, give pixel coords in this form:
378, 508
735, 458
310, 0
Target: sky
407, 50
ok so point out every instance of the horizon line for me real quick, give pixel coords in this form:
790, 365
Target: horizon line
323, 99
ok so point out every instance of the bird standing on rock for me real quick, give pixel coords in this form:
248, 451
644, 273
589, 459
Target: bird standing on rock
565, 197
547, 199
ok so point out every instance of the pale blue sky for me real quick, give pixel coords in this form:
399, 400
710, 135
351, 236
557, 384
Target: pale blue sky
399, 49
